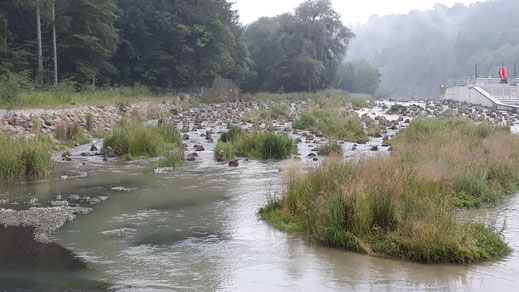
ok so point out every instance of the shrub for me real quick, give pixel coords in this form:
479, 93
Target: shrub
396, 109
24, 157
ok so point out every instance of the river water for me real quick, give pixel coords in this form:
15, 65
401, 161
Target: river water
196, 228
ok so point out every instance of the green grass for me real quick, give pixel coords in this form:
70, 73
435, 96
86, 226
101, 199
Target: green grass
335, 122
172, 159
404, 205
17, 91
330, 148
142, 140
358, 100
71, 134
257, 144
24, 157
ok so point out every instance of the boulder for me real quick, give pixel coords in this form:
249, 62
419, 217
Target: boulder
221, 156
233, 163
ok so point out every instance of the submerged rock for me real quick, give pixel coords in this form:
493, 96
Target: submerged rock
221, 156
234, 163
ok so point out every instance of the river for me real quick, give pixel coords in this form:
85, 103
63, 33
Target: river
196, 228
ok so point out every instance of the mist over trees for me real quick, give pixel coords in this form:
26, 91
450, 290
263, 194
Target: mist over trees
417, 52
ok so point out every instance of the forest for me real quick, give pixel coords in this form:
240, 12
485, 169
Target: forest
171, 45
417, 52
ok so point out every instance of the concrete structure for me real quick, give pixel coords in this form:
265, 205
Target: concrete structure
483, 91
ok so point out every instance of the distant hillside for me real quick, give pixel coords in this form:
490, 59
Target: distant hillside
417, 52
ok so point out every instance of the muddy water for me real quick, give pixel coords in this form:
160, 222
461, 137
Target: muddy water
196, 228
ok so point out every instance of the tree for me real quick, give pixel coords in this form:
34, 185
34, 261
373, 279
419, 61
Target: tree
179, 43
88, 39
300, 51
357, 77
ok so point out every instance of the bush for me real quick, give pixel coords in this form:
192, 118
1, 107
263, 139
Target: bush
396, 109
402, 205
24, 157
12, 85
142, 140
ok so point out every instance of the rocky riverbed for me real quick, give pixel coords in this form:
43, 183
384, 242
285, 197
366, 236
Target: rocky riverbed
200, 127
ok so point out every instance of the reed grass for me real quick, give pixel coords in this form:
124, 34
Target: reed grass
405, 205
22, 157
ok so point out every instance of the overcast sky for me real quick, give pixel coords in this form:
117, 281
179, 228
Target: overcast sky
352, 11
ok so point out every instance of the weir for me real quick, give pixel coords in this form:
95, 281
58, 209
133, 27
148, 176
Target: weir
489, 92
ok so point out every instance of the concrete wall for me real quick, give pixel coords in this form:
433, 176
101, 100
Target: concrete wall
474, 95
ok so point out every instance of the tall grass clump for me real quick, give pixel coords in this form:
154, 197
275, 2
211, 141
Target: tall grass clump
330, 148
257, 144
334, 122
404, 205
70, 134
24, 157
142, 140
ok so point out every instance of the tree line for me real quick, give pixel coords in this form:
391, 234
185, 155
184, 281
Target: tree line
172, 44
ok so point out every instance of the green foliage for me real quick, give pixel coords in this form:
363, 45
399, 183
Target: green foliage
88, 121
71, 134
275, 111
330, 148
357, 77
396, 109
227, 147
24, 157
297, 52
11, 87
333, 121
138, 139
401, 205
232, 134
172, 159
258, 144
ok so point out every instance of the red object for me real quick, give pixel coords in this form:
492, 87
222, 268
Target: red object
505, 73
501, 73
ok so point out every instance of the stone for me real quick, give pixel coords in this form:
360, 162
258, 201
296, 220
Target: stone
93, 147
185, 137
221, 156
374, 148
109, 152
233, 163
199, 148
128, 157
65, 154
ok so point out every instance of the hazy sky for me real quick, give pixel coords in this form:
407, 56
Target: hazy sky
352, 11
